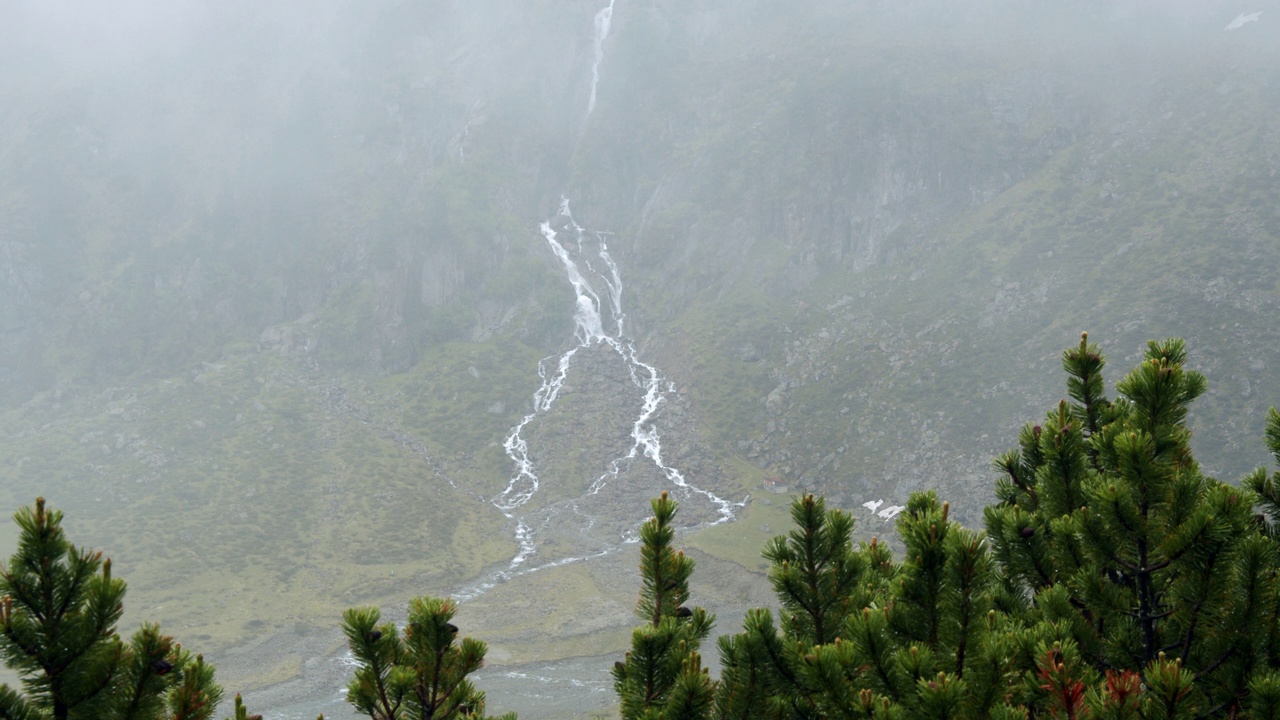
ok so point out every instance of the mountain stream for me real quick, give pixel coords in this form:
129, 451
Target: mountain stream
584, 518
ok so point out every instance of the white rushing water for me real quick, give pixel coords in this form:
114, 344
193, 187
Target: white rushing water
597, 322
596, 325
604, 19
466, 133
646, 441
563, 686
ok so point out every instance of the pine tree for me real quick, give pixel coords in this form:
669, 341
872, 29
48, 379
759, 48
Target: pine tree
816, 572
58, 621
1154, 570
755, 679
818, 577
770, 673
937, 641
864, 637
1117, 582
662, 676
418, 675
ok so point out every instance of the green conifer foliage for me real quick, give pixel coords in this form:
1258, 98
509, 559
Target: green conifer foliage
1152, 569
242, 713
1267, 489
918, 639
1263, 700
1115, 582
1268, 486
937, 644
58, 621
815, 572
418, 675
662, 675
820, 579
754, 679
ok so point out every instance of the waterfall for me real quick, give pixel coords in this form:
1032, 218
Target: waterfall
590, 320
604, 19
599, 322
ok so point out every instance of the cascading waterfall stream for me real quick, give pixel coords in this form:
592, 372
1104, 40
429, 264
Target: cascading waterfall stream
589, 333
603, 20
646, 441
590, 330
590, 319
595, 324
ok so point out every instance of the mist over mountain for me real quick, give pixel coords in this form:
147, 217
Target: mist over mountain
279, 283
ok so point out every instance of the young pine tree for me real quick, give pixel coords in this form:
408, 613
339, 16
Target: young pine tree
816, 572
662, 677
864, 637
939, 642
818, 577
1152, 569
1116, 582
58, 618
418, 675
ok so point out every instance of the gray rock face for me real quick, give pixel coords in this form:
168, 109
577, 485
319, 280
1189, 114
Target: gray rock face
762, 167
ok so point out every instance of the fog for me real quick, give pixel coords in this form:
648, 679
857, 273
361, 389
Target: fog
285, 286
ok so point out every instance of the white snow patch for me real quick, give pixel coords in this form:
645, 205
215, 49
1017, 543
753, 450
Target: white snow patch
1243, 18
891, 512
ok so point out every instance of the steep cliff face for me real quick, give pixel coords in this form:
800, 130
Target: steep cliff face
372, 166
378, 171
852, 237
906, 221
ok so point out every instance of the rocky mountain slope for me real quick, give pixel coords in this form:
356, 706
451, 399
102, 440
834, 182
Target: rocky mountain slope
276, 293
